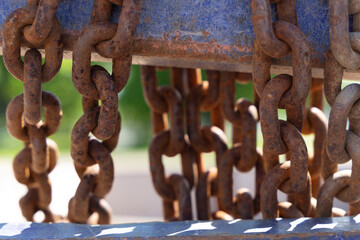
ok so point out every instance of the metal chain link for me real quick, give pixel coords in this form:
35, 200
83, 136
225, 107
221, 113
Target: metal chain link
205, 96
275, 40
243, 155
341, 144
92, 158
176, 117
195, 95
315, 123
38, 24
170, 141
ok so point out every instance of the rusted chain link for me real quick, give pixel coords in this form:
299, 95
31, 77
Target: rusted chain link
205, 96
186, 85
315, 123
165, 101
176, 117
275, 40
13, 30
275, 179
243, 206
243, 155
341, 144
92, 158
33, 164
336, 185
38, 24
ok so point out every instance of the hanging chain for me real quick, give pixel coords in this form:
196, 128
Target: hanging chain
276, 40
315, 123
92, 158
243, 155
38, 24
205, 96
176, 117
187, 90
341, 144
169, 141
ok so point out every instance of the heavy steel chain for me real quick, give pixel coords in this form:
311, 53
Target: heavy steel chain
243, 155
169, 141
37, 23
315, 123
187, 90
276, 40
92, 158
176, 117
205, 96
341, 144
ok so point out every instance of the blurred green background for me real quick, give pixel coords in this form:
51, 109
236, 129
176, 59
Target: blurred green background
136, 131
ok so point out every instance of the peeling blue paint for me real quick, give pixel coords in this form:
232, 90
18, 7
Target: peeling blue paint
302, 228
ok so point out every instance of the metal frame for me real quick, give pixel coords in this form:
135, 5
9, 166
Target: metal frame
302, 228
196, 34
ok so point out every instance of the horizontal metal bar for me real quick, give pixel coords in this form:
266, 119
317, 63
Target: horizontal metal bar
208, 34
302, 228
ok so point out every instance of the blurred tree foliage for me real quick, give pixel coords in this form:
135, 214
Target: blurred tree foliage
136, 126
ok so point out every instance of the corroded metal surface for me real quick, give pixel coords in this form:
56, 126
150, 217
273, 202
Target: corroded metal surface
282, 92
24, 113
36, 24
196, 33
177, 117
342, 143
92, 156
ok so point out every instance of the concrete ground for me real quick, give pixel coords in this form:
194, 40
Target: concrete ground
133, 198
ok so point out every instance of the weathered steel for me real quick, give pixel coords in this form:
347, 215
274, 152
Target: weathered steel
23, 114
170, 140
342, 143
195, 33
92, 158
282, 92
301, 228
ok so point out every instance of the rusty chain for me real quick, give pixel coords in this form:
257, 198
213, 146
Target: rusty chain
205, 96
243, 155
170, 141
196, 96
92, 158
41, 29
276, 40
176, 117
315, 123
341, 144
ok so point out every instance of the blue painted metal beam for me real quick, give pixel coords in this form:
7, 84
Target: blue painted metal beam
303, 228
197, 33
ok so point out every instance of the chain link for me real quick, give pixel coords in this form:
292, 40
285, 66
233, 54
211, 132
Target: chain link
92, 158
205, 96
41, 28
341, 144
315, 123
275, 40
243, 155
174, 189
176, 117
